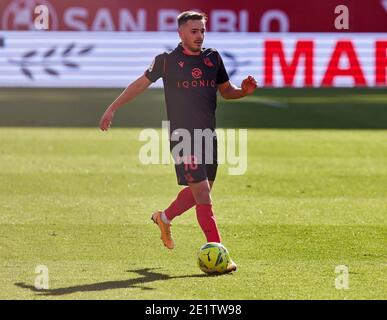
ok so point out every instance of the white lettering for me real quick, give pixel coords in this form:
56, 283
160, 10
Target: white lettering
42, 279
127, 22
103, 21
342, 20
244, 21
149, 152
232, 158
73, 16
166, 20
342, 280
162, 310
271, 15
223, 20
42, 20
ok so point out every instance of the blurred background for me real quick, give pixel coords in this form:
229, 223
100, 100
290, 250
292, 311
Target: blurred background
320, 64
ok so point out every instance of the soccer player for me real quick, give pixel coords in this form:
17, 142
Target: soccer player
192, 75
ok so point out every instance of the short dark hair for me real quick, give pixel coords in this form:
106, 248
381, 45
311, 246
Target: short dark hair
190, 15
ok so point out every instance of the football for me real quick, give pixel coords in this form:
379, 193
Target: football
213, 258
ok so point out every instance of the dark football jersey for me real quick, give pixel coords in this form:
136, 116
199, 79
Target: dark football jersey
190, 86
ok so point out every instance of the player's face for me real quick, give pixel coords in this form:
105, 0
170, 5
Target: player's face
192, 34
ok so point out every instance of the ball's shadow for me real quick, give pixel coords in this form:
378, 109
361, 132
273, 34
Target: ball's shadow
146, 276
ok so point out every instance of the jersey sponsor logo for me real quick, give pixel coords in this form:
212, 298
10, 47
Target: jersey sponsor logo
197, 73
196, 84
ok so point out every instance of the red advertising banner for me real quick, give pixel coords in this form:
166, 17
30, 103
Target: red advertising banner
223, 16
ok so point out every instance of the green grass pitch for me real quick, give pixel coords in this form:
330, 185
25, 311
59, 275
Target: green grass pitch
78, 201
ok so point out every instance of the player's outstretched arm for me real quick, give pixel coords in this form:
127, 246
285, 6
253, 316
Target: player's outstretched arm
230, 91
133, 90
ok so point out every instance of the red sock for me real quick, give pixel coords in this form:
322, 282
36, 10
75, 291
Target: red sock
184, 201
207, 222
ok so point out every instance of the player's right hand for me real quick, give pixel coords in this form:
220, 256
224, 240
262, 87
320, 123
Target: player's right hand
106, 120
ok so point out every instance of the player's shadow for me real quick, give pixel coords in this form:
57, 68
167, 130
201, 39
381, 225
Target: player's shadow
147, 276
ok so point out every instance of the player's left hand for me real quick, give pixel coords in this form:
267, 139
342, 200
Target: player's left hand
249, 85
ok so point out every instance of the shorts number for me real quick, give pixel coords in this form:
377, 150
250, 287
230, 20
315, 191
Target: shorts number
190, 162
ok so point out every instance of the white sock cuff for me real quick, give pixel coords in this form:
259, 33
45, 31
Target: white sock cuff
164, 218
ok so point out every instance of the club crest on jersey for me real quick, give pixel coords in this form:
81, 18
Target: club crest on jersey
197, 73
208, 62
181, 64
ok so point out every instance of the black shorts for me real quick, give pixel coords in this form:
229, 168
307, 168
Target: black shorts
187, 165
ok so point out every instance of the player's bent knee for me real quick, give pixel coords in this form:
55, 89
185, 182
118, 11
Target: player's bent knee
203, 197
204, 200
201, 192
